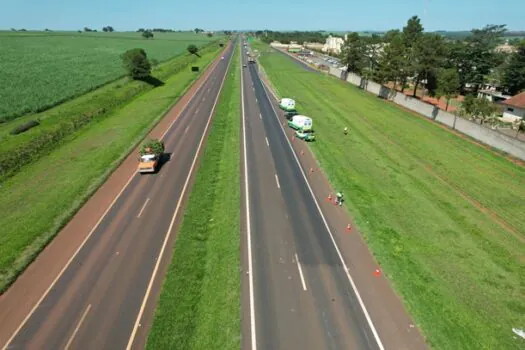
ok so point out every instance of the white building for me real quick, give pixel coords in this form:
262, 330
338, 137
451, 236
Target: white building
334, 44
514, 108
493, 95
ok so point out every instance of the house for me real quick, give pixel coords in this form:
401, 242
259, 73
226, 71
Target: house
493, 96
514, 108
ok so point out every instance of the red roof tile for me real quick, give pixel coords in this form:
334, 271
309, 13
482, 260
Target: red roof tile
516, 101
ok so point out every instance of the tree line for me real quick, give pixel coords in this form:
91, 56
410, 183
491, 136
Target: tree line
446, 66
286, 37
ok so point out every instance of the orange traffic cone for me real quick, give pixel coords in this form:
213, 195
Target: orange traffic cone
348, 228
377, 272
329, 199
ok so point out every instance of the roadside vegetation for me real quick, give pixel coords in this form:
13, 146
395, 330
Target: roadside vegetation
43, 69
56, 124
442, 215
40, 198
199, 306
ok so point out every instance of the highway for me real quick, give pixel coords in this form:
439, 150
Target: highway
102, 298
300, 293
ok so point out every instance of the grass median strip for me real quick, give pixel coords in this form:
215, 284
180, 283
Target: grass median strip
199, 306
43, 196
441, 214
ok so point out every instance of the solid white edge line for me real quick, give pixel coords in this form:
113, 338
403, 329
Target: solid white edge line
172, 223
352, 283
143, 207
32, 311
260, 116
277, 180
267, 143
186, 130
300, 271
248, 222
77, 327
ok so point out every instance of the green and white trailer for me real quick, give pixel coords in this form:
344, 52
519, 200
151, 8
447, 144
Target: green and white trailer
287, 104
301, 123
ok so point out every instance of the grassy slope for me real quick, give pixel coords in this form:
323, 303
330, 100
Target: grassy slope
39, 199
443, 216
200, 300
41, 70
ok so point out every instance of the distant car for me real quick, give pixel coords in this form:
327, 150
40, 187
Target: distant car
245, 65
222, 57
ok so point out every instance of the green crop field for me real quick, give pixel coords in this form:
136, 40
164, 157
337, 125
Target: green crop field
443, 216
199, 305
40, 198
41, 69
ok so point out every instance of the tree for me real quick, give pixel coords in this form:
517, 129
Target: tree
87, 29
392, 65
110, 29
478, 108
354, 53
209, 35
198, 30
147, 34
193, 49
135, 61
428, 57
140, 30
514, 71
412, 34
475, 57
105, 29
448, 84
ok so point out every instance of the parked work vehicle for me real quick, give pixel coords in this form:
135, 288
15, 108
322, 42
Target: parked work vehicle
306, 136
150, 155
301, 123
287, 104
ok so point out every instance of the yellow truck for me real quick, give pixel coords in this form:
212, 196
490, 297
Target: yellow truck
150, 154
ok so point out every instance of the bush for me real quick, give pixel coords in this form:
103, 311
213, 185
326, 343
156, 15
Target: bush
193, 49
147, 34
12, 161
24, 127
136, 63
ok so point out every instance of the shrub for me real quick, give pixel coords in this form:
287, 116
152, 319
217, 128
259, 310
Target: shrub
24, 127
193, 49
136, 63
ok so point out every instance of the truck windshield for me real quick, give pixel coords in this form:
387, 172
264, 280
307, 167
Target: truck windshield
147, 157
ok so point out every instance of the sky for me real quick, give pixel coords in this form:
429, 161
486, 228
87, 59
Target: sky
329, 15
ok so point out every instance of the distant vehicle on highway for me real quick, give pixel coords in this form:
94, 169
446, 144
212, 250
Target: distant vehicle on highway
150, 154
245, 65
222, 57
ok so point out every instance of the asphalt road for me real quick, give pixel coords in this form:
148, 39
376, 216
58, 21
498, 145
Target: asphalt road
96, 302
301, 295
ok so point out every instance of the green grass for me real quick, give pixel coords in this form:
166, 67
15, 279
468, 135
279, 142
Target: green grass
38, 200
107, 98
40, 70
199, 305
443, 216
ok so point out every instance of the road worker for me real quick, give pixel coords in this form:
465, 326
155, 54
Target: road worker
339, 198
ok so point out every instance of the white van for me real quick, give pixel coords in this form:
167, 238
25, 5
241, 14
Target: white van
287, 104
301, 123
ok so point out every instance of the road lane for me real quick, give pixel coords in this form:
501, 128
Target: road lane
112, 270
277, 278
327, 315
